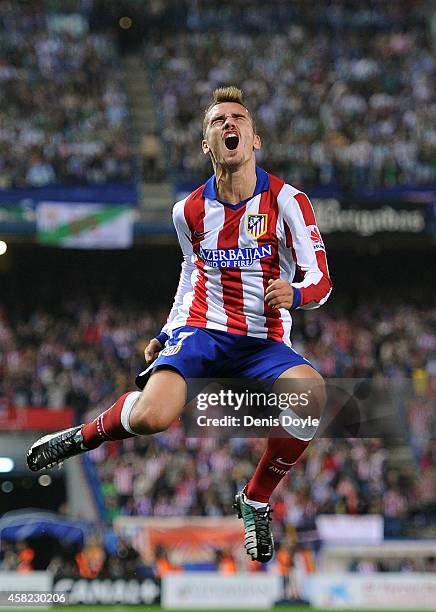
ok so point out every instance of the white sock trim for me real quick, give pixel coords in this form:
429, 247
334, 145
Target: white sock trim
129, 402
255, 504
304, 433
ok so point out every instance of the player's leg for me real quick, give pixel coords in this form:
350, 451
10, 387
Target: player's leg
134, 413
187, 354
293, 375
160, 404
284, 448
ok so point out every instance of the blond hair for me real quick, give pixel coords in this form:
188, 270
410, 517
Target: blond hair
231, 93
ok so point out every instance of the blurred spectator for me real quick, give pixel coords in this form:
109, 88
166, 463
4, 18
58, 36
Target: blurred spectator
151, 155
26, 556
225, 563
366, 566
91, 559
163, 564
430, 564
285, 562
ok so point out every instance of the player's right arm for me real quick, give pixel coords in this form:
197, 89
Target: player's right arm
185, 282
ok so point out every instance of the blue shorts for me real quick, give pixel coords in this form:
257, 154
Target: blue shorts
208, 353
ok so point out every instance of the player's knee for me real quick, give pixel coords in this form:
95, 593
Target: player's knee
318, 396
307, 391
305, 413
148, 418
147, 424
312, 397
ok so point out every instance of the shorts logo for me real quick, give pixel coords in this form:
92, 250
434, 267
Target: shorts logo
173, 349
257, 225
315, 237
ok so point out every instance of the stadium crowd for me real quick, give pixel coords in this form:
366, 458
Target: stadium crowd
110, 556
62, 107
100, 557
171, 475
86, 358
341, 94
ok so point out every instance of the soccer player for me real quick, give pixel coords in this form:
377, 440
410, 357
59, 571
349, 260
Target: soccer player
244, 235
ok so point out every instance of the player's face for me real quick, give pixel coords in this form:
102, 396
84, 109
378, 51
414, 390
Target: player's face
230, 139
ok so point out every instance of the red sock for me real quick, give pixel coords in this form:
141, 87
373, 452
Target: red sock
276, 461
107, 426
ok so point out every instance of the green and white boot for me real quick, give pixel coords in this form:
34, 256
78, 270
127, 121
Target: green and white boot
259, 542
53, 449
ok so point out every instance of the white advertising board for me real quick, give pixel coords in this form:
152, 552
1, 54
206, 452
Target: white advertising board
345, 528
35, 581
379, 591
15, 582
204, 590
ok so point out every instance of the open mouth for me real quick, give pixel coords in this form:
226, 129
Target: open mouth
231, 141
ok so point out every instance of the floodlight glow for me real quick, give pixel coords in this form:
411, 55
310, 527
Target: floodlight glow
6, 465
44, 480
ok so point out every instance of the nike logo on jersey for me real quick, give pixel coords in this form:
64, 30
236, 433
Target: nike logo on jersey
199, 234
196, 235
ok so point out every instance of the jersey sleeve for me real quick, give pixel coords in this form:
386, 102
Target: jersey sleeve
187, 269
308, 251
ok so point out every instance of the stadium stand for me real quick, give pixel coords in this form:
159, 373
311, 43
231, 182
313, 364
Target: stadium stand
61, 98
84, 345
342, 96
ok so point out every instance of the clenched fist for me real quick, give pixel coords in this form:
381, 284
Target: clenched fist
279, 294
152, 350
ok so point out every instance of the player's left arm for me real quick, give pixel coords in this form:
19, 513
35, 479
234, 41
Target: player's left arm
310, 257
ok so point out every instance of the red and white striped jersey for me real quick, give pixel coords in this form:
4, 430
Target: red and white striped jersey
230, 251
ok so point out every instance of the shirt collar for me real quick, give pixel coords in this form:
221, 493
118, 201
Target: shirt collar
262, 184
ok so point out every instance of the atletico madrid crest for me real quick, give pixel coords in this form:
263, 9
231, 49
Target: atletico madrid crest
257, 225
